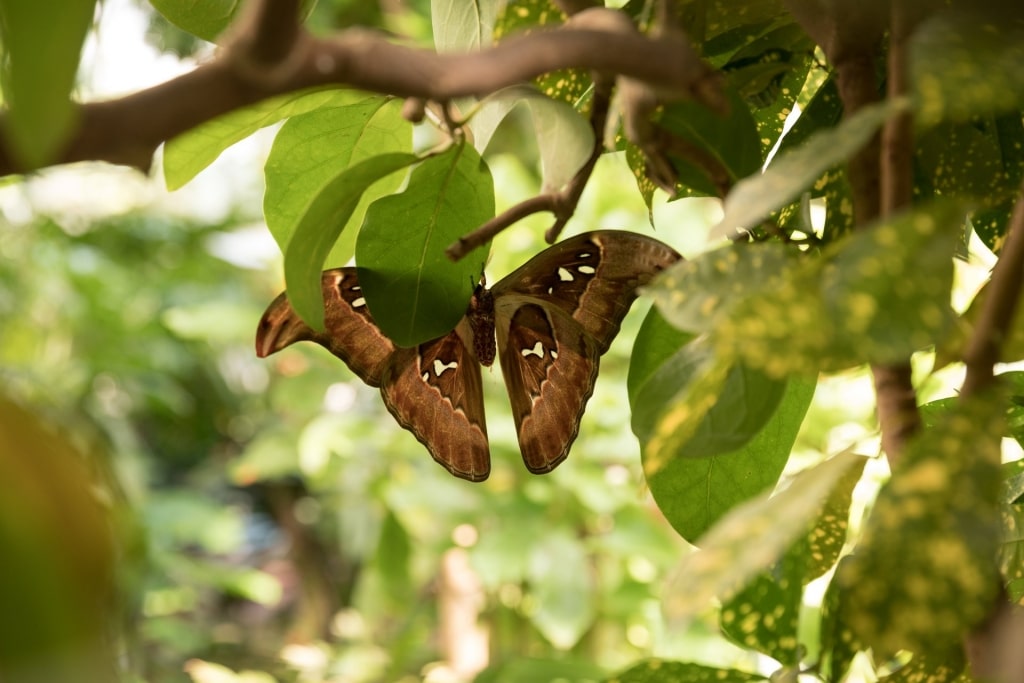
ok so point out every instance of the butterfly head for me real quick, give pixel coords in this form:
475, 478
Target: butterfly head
279, 327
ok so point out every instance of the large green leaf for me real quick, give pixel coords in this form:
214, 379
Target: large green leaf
320, 225
751, 537
925, 570
694, 493
967, 64
415, 292
789, 174
41, 46
312, 148
189, 153
565, 140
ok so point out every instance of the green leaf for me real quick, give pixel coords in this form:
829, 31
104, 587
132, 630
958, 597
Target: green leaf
764, 615
732, 140
520, 16
887, 287
691, 489
878, 295
655, 342
698, 294
839, 643
462, 25
207, 19
312, 148
966, 64
693, 494
561, 583
752, 199
745, 402
924, 572
414, 291
192, 151
751, 537
41, 46
320, 226
824, 110
565, 140
663, 671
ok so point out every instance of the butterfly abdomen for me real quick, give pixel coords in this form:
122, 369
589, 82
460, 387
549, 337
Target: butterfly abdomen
481, 321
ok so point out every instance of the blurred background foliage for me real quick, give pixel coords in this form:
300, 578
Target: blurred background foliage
203, 512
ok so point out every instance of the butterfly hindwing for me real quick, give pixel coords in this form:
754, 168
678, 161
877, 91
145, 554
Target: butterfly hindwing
435, 391
550, 365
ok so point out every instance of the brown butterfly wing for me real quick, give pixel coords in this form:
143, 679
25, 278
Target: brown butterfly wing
593, 277
554, 317
550, 365
350, 333
435, 391
440, 403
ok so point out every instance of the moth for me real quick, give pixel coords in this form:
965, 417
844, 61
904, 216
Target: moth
553, 317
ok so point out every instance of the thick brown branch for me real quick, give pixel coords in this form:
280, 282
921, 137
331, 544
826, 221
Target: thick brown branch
999, 307
127, 130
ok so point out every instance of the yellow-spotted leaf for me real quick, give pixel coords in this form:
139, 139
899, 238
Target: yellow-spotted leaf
751, 538
925, 571
520, 16
839, 644
661, 671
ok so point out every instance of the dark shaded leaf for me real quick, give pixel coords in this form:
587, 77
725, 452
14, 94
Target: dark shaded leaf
414, 291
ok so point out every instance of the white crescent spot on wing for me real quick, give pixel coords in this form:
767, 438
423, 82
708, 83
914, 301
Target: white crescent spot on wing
440, 366
564, 275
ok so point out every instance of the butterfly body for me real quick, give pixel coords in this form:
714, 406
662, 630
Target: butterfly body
552, 319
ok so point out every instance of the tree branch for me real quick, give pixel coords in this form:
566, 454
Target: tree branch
999, 308
128, 130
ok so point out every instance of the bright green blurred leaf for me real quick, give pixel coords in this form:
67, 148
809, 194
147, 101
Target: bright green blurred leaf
462, 25
414, 291
207, 19
311, 149
41, 46
192, 151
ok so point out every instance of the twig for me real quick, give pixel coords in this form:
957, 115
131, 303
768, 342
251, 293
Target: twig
999, 308
562, 203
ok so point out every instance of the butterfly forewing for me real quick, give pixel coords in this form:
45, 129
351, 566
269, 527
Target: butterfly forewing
593, 277
554, 317
350, 333
435, 392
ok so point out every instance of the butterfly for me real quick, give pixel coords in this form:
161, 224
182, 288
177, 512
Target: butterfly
554, 317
